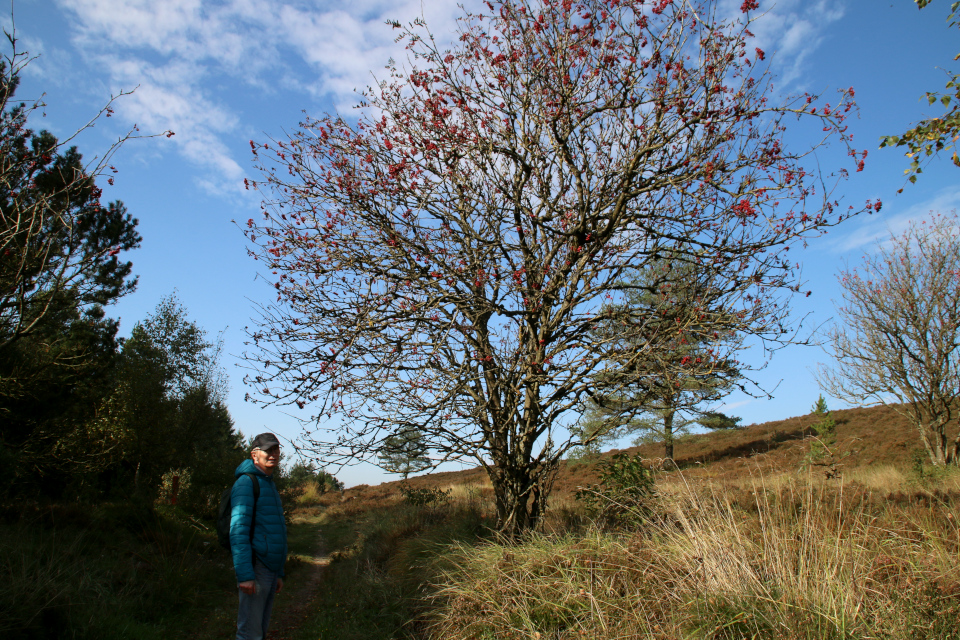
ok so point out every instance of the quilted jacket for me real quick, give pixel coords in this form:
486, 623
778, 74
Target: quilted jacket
270, 531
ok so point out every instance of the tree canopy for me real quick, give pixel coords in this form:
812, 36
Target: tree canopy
672, 352
404, 453
60, 266
899, 342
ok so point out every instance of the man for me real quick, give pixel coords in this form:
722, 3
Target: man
258, 556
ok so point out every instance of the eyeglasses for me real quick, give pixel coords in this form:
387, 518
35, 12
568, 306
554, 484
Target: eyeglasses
272, 451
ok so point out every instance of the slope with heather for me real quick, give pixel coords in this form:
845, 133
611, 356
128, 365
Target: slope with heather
742, 541
865, 437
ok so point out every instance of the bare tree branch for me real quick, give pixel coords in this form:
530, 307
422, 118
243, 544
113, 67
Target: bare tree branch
899, 341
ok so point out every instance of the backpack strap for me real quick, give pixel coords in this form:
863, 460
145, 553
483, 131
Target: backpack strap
256, 496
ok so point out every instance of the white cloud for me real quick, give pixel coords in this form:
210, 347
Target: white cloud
788, 31
178, 51
162, 102
879, 228
183, 53
183, 29
349, 47
49, 63
730, 406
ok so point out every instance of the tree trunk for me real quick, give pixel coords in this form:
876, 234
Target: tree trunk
935, 441
942, 452
668, 462
955, 451
521, 497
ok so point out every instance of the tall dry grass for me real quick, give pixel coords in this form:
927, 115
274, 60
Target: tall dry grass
786, 559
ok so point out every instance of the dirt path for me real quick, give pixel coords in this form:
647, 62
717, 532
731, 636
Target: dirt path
301, 595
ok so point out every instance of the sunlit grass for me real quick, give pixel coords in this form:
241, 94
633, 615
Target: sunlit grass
792, 558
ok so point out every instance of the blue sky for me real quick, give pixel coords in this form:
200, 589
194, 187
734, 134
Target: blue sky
222, 73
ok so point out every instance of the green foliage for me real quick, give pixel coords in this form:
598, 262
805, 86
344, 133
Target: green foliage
926, 474
822, 447
623, 496
932, 135
59, 244
715, 420
668, 358
81, 413
303, 473
113, 571
59, 267
424, 497
583, 454
825, 425
167, 412
326, 481
404, 453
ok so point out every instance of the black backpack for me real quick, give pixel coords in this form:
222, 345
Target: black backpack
225, 509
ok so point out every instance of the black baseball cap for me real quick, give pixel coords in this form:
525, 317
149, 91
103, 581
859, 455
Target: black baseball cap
265, 441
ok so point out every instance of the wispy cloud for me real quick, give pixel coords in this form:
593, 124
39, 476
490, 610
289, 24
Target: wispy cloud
877, 229
730, 406
789, 31
181, 53
49, 63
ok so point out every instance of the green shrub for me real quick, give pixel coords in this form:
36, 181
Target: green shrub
623, 496
421, 497
823, 450
118, 571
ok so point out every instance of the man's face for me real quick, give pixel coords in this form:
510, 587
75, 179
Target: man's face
267, 459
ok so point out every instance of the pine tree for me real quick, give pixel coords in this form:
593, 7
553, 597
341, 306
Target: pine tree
672, 355
404, 453
824, 436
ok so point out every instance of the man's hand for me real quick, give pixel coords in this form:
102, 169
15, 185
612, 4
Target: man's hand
279, 584
247, 587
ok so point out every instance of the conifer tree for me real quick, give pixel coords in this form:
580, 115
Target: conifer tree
405, 453
672, 353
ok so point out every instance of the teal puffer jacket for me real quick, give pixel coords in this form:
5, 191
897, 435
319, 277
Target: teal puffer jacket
270, 531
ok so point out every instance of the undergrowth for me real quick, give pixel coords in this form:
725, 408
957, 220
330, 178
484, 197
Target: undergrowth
385, 555
110, 571
804, 560
782, 558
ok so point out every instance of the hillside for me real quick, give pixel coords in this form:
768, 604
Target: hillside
742, 544
867, 436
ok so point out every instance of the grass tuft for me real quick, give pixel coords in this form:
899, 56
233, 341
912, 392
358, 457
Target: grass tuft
800, 559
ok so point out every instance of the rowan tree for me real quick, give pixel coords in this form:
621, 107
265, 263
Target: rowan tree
898, 341
442, 262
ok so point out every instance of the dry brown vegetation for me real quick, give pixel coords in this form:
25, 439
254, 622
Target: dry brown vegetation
744, 543
874, 437
799, 560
